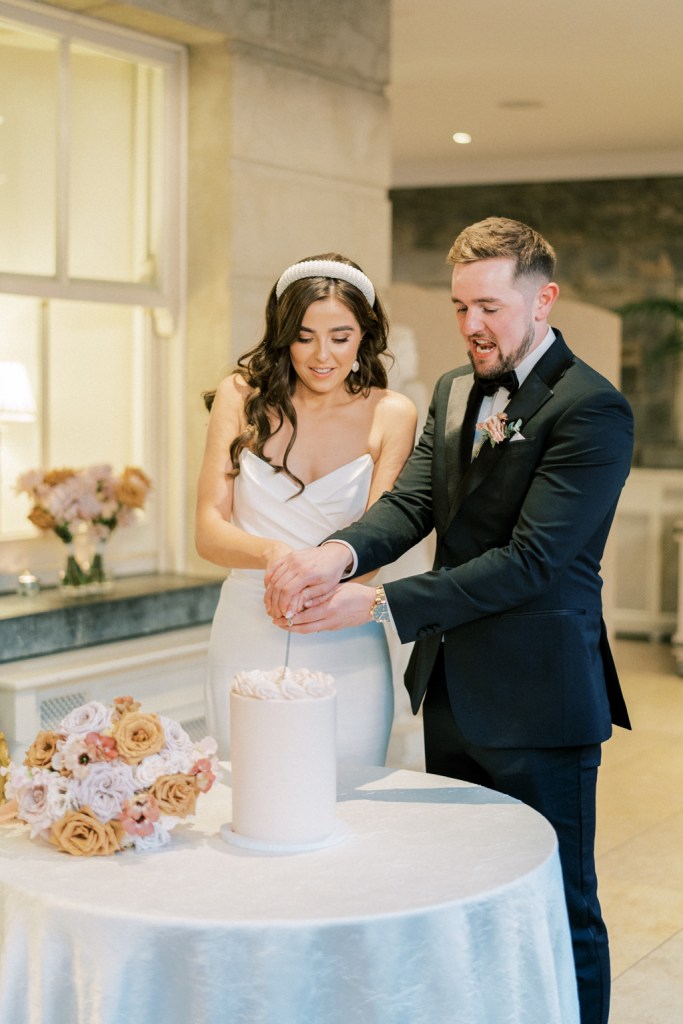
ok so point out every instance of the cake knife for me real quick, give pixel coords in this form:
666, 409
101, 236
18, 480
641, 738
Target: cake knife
289, 637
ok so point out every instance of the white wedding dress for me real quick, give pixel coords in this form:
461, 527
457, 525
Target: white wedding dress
266, 503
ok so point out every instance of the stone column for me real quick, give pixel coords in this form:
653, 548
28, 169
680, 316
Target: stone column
289, 157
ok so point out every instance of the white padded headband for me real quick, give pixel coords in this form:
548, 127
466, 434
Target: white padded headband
327, 268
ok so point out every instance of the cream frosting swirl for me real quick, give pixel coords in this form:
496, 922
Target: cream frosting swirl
283, 684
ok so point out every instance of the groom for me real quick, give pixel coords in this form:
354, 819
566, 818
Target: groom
511, 654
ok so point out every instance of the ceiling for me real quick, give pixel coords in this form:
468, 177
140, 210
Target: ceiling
548, 90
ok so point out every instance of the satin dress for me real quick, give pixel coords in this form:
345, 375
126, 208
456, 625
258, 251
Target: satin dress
243, 638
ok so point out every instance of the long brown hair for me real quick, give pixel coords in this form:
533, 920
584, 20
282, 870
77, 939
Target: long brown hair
267, 369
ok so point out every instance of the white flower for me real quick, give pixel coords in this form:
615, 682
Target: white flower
72, 756
63, 501
105, 788
92, 717
30, 481
88, 506
167, 762
31, 791
99, 475
205, 748
176, 737
158, 838
18, 776
60, 796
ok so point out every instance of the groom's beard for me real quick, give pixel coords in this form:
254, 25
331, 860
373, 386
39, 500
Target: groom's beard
513, 359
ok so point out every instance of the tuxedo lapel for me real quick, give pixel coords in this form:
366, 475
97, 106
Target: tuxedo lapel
454, 435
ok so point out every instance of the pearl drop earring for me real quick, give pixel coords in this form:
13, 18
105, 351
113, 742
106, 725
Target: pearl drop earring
355, 366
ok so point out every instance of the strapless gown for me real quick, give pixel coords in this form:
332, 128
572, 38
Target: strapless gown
243, 637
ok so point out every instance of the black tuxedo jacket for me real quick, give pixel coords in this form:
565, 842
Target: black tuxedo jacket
515, 591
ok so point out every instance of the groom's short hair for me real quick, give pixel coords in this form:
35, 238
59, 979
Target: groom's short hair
501, 237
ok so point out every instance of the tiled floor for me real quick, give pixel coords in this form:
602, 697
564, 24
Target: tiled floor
640, 840
640, 834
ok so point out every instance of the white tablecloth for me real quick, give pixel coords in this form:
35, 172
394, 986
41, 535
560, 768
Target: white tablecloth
443, 906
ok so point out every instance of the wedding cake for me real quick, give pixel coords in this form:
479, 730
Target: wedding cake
284, 778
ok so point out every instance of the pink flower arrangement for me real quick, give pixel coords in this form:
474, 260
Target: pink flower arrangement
110, 778
68, 501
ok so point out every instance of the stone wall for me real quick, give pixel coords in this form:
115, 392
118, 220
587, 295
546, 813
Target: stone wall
616, 241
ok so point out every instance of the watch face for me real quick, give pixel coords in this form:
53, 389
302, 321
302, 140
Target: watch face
380, 612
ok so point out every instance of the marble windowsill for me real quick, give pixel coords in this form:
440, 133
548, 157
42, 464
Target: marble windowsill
138, 606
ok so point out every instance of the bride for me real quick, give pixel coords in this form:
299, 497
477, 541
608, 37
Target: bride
302, 438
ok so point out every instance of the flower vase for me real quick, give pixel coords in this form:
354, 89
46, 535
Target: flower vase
99, 580
73, 579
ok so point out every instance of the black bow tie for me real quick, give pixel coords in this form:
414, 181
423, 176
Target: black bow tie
489, 385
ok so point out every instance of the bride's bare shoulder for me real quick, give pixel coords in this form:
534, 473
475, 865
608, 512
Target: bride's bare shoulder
233, 390
394, 408
394, 422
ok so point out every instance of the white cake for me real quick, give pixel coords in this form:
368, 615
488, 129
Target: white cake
284, 765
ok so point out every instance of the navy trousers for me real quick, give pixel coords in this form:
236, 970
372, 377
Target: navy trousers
560, 784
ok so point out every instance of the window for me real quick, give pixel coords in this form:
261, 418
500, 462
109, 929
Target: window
91, 170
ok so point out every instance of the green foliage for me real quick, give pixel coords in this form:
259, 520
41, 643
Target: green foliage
660, 309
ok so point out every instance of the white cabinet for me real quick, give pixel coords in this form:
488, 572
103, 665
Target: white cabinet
164, 671
644, 556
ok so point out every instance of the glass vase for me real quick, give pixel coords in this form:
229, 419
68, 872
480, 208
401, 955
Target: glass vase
99, 580
85, 578
73, 580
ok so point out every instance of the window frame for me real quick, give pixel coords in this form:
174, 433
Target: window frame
163, 300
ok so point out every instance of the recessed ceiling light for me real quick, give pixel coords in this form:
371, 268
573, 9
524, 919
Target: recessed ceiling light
462, 138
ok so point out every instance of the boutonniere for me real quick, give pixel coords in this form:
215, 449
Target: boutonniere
496, 429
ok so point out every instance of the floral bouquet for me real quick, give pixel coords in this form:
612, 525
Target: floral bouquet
69, 501
118, 498
110, 778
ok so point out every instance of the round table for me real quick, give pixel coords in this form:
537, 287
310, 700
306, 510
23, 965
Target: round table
443, 906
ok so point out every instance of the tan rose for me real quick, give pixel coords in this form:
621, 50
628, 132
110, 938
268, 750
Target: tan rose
57, 476
134, 472
138, 735
82, 834
175, 794
39, 754
41, 518
131, 488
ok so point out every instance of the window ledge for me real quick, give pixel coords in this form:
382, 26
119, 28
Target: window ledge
138, 606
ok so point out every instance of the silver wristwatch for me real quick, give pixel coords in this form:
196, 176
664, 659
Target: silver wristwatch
380, 609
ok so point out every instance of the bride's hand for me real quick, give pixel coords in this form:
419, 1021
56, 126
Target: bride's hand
347, 605
274, 555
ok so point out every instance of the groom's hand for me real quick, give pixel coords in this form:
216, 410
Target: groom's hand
304, 578
348, 605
